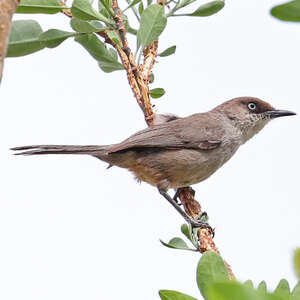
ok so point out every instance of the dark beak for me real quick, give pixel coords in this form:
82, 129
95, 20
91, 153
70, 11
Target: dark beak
279, 113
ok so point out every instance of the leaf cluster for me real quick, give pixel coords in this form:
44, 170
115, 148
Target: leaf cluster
88, 23
213, 279
214, 284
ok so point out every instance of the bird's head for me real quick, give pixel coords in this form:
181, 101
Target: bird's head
250, 114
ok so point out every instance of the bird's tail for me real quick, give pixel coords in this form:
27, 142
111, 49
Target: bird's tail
60, 149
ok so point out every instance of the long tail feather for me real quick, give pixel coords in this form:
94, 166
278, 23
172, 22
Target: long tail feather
58, 149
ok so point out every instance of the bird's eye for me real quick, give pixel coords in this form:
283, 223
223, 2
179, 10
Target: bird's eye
252, 106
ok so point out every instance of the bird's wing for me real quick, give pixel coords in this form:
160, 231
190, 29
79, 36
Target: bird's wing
199, 131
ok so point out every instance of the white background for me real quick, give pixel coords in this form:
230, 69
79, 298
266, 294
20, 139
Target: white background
69, 229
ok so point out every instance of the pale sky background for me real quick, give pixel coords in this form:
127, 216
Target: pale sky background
69, 229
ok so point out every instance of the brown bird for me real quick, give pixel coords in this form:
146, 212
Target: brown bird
181, 151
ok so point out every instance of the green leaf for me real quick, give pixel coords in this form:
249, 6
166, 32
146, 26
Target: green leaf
114, 53
24, 38
283, 289
249, 283
232, 290
133, 3
168, 51
211, 268
103, 9
174, 295
289, 11
151, 78
131, 30
206, 10
141, 8
106, 59
297, 262
107, 66
177, 243
82, 9
262, 287
296, 292
114, 36
187, 231
54, 37
157, 93
40, 7
153, 22
86, 26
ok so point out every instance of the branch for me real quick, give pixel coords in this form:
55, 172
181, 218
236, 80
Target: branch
207, 244
7, 9
205, 235
150, 54
136, 81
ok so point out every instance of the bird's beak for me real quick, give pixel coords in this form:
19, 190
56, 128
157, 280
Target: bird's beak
279, 113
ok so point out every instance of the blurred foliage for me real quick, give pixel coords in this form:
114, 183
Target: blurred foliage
289, 11
297, 262
214, 283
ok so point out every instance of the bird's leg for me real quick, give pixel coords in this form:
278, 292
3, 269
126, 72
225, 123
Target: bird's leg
188, 219
176, 196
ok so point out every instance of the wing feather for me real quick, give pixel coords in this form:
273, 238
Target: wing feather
198, 131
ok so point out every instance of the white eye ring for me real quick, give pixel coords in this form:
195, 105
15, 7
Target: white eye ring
252, 106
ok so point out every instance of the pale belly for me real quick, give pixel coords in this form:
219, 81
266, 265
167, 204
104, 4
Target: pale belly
179, 168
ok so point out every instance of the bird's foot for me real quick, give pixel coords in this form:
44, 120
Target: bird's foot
202, 220
176, 197
203, 217
177, 193
196, 223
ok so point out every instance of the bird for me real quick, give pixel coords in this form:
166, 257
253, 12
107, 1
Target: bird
180, 151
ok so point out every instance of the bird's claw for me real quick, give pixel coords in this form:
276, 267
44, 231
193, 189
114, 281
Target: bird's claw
196, 223
203, 217
176, 197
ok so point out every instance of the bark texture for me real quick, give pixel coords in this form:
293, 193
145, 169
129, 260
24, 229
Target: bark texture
7, 9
